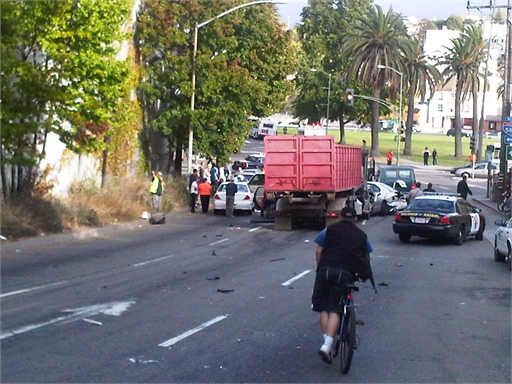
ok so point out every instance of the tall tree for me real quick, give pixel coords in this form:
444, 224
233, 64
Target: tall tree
374, 39
321, 36
422, 77
462, 61
242, 63
60, 75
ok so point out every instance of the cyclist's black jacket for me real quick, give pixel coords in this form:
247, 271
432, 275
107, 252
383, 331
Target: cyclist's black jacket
345, 246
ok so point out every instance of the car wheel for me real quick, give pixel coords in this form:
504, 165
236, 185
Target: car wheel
509, 258
480, 234
404, 238
216, 211
498, 257
459, 238
466, 175
384, 208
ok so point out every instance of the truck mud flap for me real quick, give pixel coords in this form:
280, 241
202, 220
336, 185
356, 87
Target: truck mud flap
283, 223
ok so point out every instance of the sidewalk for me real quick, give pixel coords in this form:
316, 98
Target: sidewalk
76, 235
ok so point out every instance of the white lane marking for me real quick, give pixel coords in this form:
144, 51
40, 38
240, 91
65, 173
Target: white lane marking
218, 242
30, 289
174, 340
113, 309
152, 261
296, 277
254, 229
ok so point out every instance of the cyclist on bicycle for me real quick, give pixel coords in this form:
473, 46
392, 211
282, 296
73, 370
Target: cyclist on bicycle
342, 257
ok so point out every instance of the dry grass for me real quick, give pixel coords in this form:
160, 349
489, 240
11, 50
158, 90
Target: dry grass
122, 199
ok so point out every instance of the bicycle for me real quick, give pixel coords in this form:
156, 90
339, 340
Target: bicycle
345, 339
505, 204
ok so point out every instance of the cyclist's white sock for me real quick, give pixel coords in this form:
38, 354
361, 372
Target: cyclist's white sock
328, 341
325, 335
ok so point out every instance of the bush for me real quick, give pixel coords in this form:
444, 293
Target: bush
121, 199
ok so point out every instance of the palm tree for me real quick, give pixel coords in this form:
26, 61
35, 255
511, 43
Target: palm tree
474, 34
463, 60
377, 38
422, 77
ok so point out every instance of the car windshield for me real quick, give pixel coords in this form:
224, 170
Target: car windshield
398, 174
254, 158
431, 205
241, 187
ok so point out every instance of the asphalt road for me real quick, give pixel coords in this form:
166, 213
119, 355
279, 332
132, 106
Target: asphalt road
206, 298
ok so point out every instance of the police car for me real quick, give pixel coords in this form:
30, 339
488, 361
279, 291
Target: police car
436, 215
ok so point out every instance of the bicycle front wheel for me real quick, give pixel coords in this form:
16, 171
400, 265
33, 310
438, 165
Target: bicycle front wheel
348, 340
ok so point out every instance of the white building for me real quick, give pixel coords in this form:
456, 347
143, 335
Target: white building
438, 113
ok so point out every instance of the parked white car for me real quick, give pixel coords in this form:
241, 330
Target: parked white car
244, 199
479, 172
503, 242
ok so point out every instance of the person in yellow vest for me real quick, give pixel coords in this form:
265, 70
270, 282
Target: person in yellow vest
156, 188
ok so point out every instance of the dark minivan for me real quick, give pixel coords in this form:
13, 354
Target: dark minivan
398, 177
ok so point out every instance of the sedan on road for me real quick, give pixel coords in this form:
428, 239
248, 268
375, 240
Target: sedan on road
440, 216
503, 242
480, 171
254, 161
243, 199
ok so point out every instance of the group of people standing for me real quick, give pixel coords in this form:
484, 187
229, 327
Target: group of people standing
426, 156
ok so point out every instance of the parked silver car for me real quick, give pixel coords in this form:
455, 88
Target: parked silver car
480, 171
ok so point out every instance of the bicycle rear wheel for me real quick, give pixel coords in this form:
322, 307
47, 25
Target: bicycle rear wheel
348, 340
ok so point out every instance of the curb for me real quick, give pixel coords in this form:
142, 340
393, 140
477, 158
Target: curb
78, 235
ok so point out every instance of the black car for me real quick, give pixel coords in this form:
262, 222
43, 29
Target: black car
451, 132
255, 161
439, 216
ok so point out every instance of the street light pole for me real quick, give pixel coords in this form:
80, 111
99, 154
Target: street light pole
328, 98
400, 111
193, 77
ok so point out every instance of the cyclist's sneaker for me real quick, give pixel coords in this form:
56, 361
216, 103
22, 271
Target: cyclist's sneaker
325, 353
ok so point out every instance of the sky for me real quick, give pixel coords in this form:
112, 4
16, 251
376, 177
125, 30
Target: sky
422, 9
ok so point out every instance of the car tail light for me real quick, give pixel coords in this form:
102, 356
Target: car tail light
333, 214
444, 220
247, 197
244, 165
217, 197
398, 217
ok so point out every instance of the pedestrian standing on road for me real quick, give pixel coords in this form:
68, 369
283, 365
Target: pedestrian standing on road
214, 175
389, 157
429, 188
343, 251
414, 192
193, 177
193, 195
231, 190
205, 190
156, 189
463, 188
434, 157
426, 155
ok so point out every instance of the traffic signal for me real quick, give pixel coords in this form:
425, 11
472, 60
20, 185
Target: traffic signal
472, 143
349, 97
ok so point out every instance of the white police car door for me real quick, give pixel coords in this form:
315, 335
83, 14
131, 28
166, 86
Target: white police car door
475, 223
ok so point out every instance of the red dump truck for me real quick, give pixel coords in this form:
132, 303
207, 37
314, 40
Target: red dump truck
313, 178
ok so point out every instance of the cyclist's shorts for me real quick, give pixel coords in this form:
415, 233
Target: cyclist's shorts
328, 289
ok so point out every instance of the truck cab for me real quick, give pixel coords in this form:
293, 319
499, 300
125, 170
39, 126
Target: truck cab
266, 127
